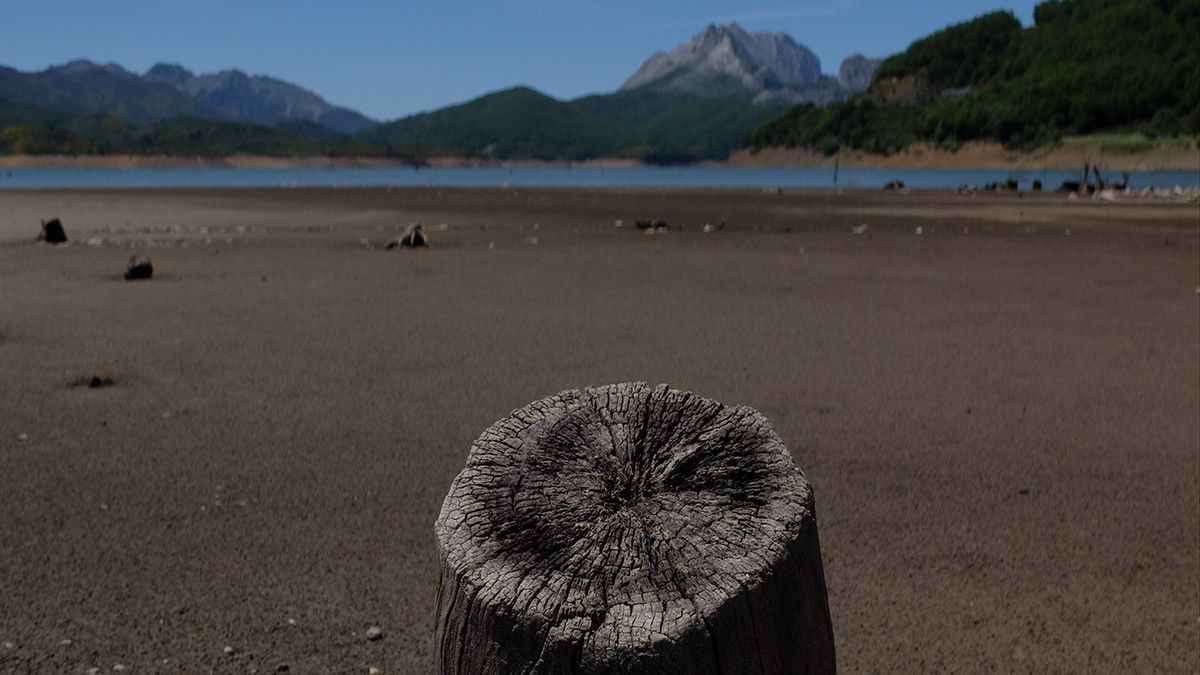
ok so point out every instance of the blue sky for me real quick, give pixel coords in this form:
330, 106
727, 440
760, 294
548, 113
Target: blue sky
389, 58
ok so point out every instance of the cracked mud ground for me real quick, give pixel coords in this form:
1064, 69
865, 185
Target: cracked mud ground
999, 426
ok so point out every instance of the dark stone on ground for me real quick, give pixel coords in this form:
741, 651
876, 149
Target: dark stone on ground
98, 382
139, 267
656, 225
53, 232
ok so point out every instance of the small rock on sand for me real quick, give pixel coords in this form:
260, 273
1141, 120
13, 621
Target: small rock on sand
374, 633
99, 382
139, 267
228, 649
53, 232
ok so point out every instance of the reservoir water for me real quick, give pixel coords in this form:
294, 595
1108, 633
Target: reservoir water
557, 176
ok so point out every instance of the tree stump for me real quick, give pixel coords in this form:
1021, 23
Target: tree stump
630, 529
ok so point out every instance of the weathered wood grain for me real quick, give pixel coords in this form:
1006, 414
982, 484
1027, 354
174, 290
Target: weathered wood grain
631, 529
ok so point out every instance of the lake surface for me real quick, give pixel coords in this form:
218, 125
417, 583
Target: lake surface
649, 177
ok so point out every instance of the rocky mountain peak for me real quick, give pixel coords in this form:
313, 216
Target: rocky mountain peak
227, 78
84, 66
757, 60
856, 72
169, 73
771, 69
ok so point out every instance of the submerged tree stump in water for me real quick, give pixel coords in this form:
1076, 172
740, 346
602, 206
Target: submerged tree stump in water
630, 529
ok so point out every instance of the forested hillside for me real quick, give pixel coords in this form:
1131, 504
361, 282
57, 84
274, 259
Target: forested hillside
518, 123
652, 124
1085, 66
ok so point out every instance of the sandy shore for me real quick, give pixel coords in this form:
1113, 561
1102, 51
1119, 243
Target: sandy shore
998, 415
1067, 156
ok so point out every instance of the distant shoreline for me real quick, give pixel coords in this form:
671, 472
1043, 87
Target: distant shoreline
267, 162
1066, 156
969, 156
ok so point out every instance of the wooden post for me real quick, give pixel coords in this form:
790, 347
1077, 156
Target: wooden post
631, 529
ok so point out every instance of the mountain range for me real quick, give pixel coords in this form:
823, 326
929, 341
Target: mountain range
166, 91
257, 99
694, 102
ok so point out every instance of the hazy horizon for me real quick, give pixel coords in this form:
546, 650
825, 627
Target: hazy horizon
417, 58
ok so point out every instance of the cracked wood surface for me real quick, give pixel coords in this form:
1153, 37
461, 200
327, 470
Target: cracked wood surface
631, 529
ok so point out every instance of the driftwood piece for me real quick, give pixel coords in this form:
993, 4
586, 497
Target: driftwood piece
413, 237
630, 529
